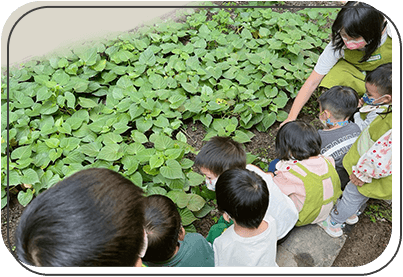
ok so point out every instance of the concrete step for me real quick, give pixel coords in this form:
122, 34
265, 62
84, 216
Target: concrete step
309, 246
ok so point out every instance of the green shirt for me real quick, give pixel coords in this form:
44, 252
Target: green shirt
194, 251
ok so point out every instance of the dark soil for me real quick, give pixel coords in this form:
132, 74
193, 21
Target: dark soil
366, 240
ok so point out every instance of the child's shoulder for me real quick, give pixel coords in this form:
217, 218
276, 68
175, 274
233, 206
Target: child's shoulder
308, 163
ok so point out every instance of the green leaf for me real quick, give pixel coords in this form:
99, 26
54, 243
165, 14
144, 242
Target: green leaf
282, 115
124, 55
86, 102
52, 142
196, 202
29, 176
25, 197
110, 153
242, 137
147, 57
71, 99
89, 56
99, 66
139, 137
206, 119
172, 170
78, 84
156, 161
186, 216
144, 124
162, 142
22, 152
189, 87
124, 82
195, 179
43, 94
204, 211
268, 120
180, 198
61, 77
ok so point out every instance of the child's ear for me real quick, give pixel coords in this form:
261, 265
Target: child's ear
226, 217
182, 234
388, 99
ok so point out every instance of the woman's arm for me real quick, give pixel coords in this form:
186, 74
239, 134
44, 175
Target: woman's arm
303, 95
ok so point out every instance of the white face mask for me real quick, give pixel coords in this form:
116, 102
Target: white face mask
211, 183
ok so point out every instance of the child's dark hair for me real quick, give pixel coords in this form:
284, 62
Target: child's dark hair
381, 77
341, 101
92, 218
359, 20
297, 140
162, 225
220, 154
243, 195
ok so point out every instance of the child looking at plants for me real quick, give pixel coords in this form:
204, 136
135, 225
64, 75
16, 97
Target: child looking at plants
168, 245
336, 106
369, 165
308, 178
223, 153
252, 240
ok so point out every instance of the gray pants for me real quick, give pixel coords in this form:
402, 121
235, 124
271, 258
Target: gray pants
349, 204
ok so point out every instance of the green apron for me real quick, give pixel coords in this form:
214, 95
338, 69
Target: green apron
378, 188
349, 71
313, 184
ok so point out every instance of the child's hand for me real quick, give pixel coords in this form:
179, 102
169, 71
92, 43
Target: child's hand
354, 179
270, 173
360, 103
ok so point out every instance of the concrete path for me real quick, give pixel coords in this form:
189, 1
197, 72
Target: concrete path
309, 246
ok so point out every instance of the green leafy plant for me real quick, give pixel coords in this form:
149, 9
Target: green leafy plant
380, 211
121, 104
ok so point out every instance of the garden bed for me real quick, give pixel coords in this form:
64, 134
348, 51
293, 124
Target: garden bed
165, 61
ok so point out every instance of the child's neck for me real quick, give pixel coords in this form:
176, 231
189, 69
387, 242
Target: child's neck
250, 232
335, 126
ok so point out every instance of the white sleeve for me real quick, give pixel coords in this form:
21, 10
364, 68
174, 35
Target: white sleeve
364, 123
328, 59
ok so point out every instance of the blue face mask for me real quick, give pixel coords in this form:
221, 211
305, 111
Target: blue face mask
370, 101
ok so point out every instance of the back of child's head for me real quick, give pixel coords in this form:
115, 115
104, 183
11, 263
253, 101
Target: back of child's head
220, 154
341, 101
381, 77
243, 195
92, 218
297, 140
162, 225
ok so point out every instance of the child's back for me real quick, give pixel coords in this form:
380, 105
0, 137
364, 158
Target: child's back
234, 250
251, 241
309, 179
312, 185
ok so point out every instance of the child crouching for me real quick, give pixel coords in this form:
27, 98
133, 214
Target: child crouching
308, 178
252, 240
